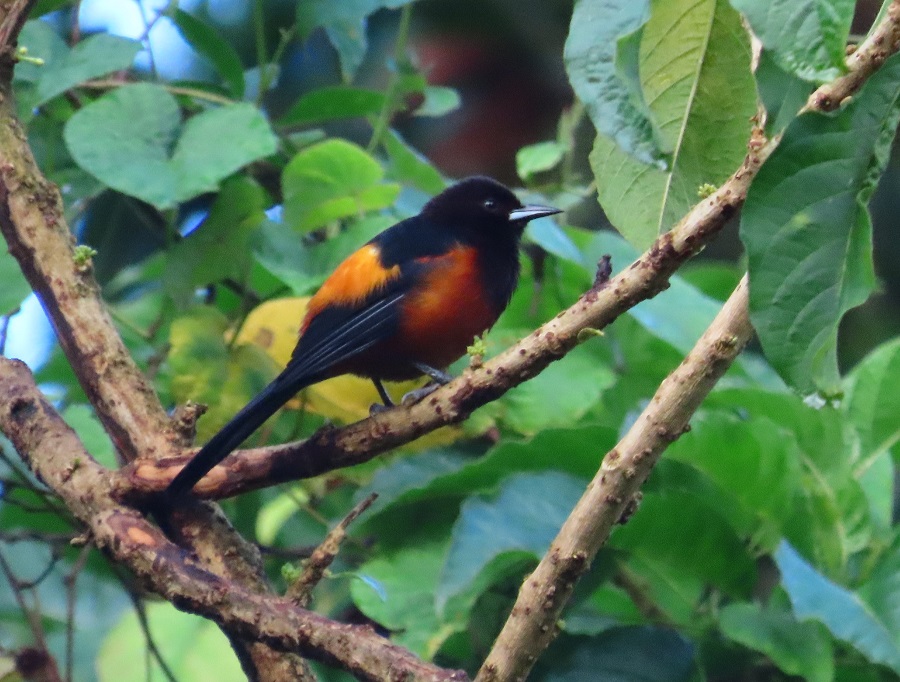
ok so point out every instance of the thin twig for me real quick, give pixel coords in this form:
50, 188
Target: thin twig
314, 568
33, 619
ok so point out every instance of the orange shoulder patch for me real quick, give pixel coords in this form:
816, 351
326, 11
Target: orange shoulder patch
353, 280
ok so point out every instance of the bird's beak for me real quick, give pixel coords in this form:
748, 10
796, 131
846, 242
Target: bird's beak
531, 212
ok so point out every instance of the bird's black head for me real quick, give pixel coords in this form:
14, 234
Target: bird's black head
483, 204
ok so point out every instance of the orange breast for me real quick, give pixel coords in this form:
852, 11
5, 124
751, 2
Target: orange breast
445, 312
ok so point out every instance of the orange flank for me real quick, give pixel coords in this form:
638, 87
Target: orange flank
353, 280
446, 310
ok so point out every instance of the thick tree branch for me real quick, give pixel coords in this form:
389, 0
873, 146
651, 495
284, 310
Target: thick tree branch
57, 457
32, 223
532, 624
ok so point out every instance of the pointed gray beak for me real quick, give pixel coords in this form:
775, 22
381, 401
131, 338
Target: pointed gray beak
530, 212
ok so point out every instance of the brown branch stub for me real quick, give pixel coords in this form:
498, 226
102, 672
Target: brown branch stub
300, 591
531, 624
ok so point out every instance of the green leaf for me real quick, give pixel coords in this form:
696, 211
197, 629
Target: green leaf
576, 386
333, 103
331, 180
126, 139
205, 370
590, 54
801, 649
219, 247
40, 41
872, 401
537, 158
843, 612
93, 57
303, 267
627, 654
698, 85
553, 239
344, 23
782, 93
209, 43
762, 470
523, 518
806, 229
14, 288
881, 592
195, 648
408, 578
830, 518
201, 160
807, 37
409, 166
690, 537
440, 474
439, 101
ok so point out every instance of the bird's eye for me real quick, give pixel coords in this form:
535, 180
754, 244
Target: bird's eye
489, 204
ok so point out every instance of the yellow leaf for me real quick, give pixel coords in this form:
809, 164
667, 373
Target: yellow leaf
274, 325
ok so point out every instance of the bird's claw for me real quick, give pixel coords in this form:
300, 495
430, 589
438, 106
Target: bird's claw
378, 408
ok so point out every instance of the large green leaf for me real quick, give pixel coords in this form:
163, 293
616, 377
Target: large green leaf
411, 167
590, 56
331, 180
695, 76
440, 474
807, 37
397, 590
131, 140
691, 538
762, 467
802, 649
494, 535
806, 229
873, 631
201, 160
830, 518
625, 654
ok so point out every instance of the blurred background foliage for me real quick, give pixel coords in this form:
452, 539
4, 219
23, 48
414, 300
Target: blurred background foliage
218, 158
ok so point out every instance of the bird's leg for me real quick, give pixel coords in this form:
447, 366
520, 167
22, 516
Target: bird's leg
385, 398
438, 378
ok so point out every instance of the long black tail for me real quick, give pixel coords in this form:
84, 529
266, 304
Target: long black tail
245, 422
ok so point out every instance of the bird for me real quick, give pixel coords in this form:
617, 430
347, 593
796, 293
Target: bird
407, 303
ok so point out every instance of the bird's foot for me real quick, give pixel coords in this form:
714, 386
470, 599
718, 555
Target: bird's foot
378, 408
415, 396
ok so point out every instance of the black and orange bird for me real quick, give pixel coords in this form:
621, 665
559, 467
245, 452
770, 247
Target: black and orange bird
406, 304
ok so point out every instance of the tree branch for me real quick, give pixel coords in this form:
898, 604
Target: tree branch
332, 448
50, 446
532, 624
